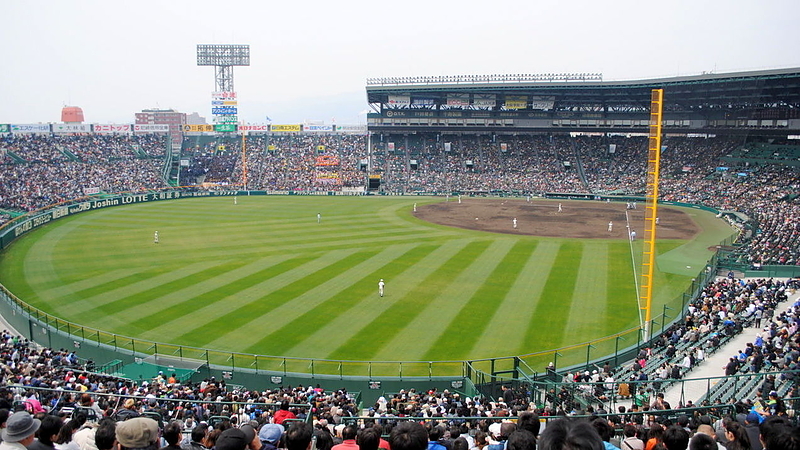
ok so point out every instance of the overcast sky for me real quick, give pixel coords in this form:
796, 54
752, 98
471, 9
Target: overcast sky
310, 59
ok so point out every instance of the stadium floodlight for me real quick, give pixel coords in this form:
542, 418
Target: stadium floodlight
223, 57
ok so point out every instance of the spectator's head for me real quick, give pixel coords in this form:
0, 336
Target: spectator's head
565, 434
603, 429
199, 433
676, 438
630, 430
702, 441
173, 433
298, 436
349, 432
324, 439
521, 440
238, 439
785, 439
460, 444
506, 428
20, 427
105, 437
270, 433
368, 439
771, 428
529, 421
137, 433
48, 430
408, 436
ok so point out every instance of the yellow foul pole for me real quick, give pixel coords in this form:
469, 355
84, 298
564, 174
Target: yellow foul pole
244, 160
651, 208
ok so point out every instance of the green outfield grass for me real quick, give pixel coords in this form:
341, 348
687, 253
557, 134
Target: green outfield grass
264, 277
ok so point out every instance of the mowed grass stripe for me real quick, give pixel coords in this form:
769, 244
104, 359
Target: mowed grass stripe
546, 328
257, 298
119, 290
154, 294
503, 335
440, 310
334, 319
231, 293
176, 305
244, 315
387, 325
302, 310
478, 311
622, 309
590, 301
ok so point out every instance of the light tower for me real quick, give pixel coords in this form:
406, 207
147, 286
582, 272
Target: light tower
223, 99
223, 58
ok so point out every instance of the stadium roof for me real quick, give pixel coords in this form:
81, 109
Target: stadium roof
770, 88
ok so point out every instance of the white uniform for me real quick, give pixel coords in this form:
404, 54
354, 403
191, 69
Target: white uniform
234, 200
155, 237
415, 207
633, 235
380, 287
514, 222
319, 217
610, 226
559, 207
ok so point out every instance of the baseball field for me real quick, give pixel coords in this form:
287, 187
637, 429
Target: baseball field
262, 275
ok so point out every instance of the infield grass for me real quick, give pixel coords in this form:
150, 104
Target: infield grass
263, 277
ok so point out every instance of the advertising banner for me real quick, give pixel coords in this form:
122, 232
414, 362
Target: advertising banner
399, 101
285, 128
72, 128
458, 100
223, 95
328, 178
4, 128
423, 101
111, 128
543, 103
226, 119
91, 190
198, 128
327, 160
484, 100
351, 128
30, 128
150, 128
254, 127
225, 127
224, 110
516, 102
318, 128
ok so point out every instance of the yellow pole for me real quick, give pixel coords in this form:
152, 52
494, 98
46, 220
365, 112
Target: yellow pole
651, 207
244, 160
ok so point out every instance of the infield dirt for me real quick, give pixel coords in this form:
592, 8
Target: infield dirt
578, 219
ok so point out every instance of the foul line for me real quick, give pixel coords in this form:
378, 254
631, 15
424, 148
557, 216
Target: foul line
633, 266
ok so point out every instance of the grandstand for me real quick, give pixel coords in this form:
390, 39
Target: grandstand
731, 146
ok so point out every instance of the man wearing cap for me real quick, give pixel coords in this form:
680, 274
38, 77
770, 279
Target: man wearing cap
137, 433
380, 287
19, 431
270, 435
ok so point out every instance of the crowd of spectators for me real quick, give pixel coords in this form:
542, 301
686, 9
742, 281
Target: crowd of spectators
38, 171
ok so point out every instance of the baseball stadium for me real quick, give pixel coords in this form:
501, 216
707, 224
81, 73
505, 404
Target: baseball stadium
526, 229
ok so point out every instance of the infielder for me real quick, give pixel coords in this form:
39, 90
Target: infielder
514, 222
610, 226
380, 287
